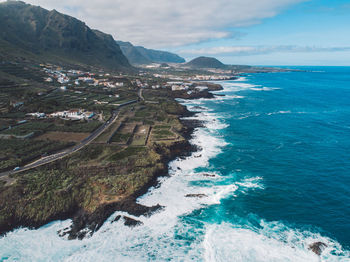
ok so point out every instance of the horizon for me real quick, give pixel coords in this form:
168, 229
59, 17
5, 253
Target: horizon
287, 32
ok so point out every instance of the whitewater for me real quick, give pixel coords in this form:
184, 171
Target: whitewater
192, 228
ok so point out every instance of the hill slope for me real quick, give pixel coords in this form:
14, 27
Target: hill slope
132, 54
206, 62
140, 55
36, 33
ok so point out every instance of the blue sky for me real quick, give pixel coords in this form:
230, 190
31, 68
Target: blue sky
256, 32
323, 26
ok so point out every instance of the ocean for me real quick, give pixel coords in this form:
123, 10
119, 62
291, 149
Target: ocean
272, 177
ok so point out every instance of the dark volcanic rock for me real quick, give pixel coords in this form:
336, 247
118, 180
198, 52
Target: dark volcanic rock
317, 247
211, 86
130, 222
192, 95
117, 218
196, 195
94, 221
208, 175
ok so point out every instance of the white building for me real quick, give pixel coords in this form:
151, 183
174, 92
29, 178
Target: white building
73, 114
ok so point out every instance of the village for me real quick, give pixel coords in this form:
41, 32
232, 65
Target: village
68, 105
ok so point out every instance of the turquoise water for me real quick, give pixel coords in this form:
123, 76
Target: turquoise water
274, 171
295, 136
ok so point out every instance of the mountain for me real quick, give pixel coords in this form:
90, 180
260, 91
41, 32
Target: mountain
160, 56
139, 55
31, 32
132, 54
206, 62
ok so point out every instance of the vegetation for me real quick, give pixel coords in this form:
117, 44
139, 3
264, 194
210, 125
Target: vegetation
76, 126
17, 152
69, 183
121, 138
35, 126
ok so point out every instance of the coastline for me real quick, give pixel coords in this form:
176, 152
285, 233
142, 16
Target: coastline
85, 223
131, 206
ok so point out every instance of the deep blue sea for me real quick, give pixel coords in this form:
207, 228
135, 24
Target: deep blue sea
273, 173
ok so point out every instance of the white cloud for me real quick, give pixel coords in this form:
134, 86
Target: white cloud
165, 23
258, 50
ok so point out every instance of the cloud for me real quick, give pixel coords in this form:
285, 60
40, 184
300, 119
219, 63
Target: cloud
258, 50
166, 23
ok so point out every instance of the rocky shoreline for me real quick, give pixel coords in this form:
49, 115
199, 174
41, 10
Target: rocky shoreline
94, 221
82, 221
85, 223
196, 94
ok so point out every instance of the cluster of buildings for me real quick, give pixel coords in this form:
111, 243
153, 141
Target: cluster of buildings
55, 73
183, 86
68, 77
216, 77
141, 84
109, 84
73, 114
209, 77
177, 85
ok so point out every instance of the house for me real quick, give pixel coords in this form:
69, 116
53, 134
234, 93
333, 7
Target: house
74, 113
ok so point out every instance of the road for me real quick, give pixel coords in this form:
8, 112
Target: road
64, 153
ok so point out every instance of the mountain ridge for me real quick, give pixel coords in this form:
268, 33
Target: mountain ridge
139, 55
35, 32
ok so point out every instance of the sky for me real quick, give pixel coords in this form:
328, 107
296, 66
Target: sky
254, 32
